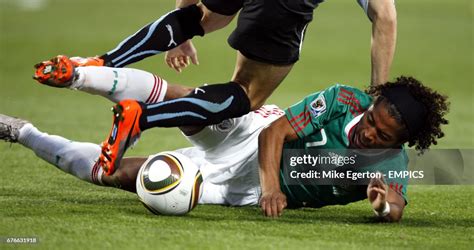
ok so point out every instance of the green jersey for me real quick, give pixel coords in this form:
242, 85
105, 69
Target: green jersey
325, 120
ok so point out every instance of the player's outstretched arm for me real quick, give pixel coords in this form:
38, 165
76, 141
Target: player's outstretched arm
270, 146
387, 204
383, 15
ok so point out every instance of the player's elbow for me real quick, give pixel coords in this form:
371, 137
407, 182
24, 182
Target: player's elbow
263, 138
265, 134
278, 129
269, 135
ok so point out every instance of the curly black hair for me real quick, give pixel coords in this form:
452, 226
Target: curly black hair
436, 106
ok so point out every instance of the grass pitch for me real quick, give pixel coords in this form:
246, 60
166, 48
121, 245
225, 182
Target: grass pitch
434, 44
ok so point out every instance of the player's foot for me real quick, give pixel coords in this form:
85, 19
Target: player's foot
57, 72
10, 128
125, 132
87, 61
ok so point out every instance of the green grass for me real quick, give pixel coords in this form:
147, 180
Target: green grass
434, 44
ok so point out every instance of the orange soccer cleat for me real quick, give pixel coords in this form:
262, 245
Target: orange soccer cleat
57, 72
125, 132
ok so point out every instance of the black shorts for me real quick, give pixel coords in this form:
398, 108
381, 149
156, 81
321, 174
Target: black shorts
269, 31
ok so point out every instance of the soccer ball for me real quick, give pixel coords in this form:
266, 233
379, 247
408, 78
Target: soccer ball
169, 183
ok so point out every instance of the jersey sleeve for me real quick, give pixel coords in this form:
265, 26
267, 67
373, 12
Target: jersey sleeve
314, 111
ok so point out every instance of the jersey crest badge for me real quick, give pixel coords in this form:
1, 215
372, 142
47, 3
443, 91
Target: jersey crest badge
225, 125
318, 106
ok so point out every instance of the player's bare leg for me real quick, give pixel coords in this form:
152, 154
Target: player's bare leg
258, 79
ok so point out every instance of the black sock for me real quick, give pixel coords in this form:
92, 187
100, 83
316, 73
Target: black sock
164, 34
205, 106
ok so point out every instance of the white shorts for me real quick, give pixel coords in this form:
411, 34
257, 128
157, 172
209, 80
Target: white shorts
227, 156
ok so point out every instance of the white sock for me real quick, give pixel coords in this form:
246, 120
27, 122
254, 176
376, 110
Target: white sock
118, 84
76, 158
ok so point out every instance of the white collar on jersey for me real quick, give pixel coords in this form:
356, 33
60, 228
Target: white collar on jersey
351, 124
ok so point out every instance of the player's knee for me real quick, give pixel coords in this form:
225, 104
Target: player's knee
177, 91
256, 103
189, 20
255, 100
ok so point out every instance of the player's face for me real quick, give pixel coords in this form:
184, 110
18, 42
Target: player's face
377, 129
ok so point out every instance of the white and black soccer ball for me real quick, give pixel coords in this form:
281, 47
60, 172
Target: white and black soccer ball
169, 183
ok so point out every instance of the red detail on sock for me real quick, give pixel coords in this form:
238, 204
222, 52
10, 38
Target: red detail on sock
95, 173
153, 91
158, 93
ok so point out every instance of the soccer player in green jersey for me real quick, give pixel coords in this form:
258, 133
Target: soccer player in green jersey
384, 117
239, 158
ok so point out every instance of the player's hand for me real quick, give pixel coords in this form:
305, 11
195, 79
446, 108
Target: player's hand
179, 57
377, 193
273, 203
